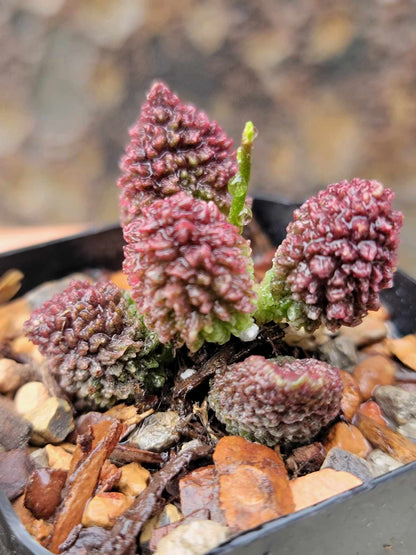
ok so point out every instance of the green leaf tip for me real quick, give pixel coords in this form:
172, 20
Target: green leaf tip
240, 212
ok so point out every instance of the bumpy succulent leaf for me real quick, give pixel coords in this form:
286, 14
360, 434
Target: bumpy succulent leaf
97, 346
174, 148
278, 401
339, 253
190, 271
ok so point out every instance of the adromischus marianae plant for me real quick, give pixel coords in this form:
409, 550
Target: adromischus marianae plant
340, 251
190, 271
174, 147
97, 346
276, 401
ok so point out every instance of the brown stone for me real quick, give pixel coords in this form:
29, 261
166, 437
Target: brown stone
372, 371
351, 397
371, 330
306, 459
318, 486
253, 482
10, 377
43, 491
389, 441
38, 528
349, 438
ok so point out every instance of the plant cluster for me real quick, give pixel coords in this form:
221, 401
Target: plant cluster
183, 205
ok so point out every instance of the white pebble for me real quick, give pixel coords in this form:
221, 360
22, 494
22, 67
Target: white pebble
250, 333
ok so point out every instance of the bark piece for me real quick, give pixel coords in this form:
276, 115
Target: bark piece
351, 396
389, 441
82, 484
126, 453
306, 459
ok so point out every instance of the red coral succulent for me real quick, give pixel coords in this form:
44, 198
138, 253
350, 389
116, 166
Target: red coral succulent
190, 271
276, 401
339, 253
174, 147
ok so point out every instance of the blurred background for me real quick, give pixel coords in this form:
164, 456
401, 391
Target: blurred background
330, 85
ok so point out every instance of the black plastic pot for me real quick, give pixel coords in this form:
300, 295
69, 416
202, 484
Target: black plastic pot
376, 518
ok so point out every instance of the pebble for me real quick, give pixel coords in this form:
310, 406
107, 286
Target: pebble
351, 396
10, 377
30, 396
371, 330
15, 430
195, 538
340, 352
318, 486
347, 437
43, 491
372, 371
381, 462
15, 469
134, 479
306, 459
408, 430
372, 410
398, 405
404, 349
339, 459
57, 457
158, 432
169, 515
104, 508
51, 421
39, 458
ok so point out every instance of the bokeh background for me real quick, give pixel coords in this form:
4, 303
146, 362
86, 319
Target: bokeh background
330, 85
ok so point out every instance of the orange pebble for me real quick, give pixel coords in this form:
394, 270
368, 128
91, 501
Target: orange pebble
372, 410
347, 437
318, 486
351, 397
372, 371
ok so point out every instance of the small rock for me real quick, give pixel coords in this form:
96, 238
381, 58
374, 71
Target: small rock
381, 462
351, 396
134, 479
199, 489
15, 469
39, 529
340, 352
158, 432
379, 348
195, 538
169, 515
15, 431
371, 330
390, 441
39, 458
372, 371
339, 459
347, 437
404, 349
52, 421
318, 486
306, 459
58, 458
104, 508
398, 405
10, 377
43, 491
191, 445
26, 349
372, 410
408, 430
30, 396
12, 317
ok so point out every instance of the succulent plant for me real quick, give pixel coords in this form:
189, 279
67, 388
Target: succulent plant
276, 401
174, 148
340, 251
190, 271
97, 346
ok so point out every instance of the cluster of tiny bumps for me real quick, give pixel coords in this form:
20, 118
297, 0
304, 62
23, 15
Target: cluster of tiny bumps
191, 278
